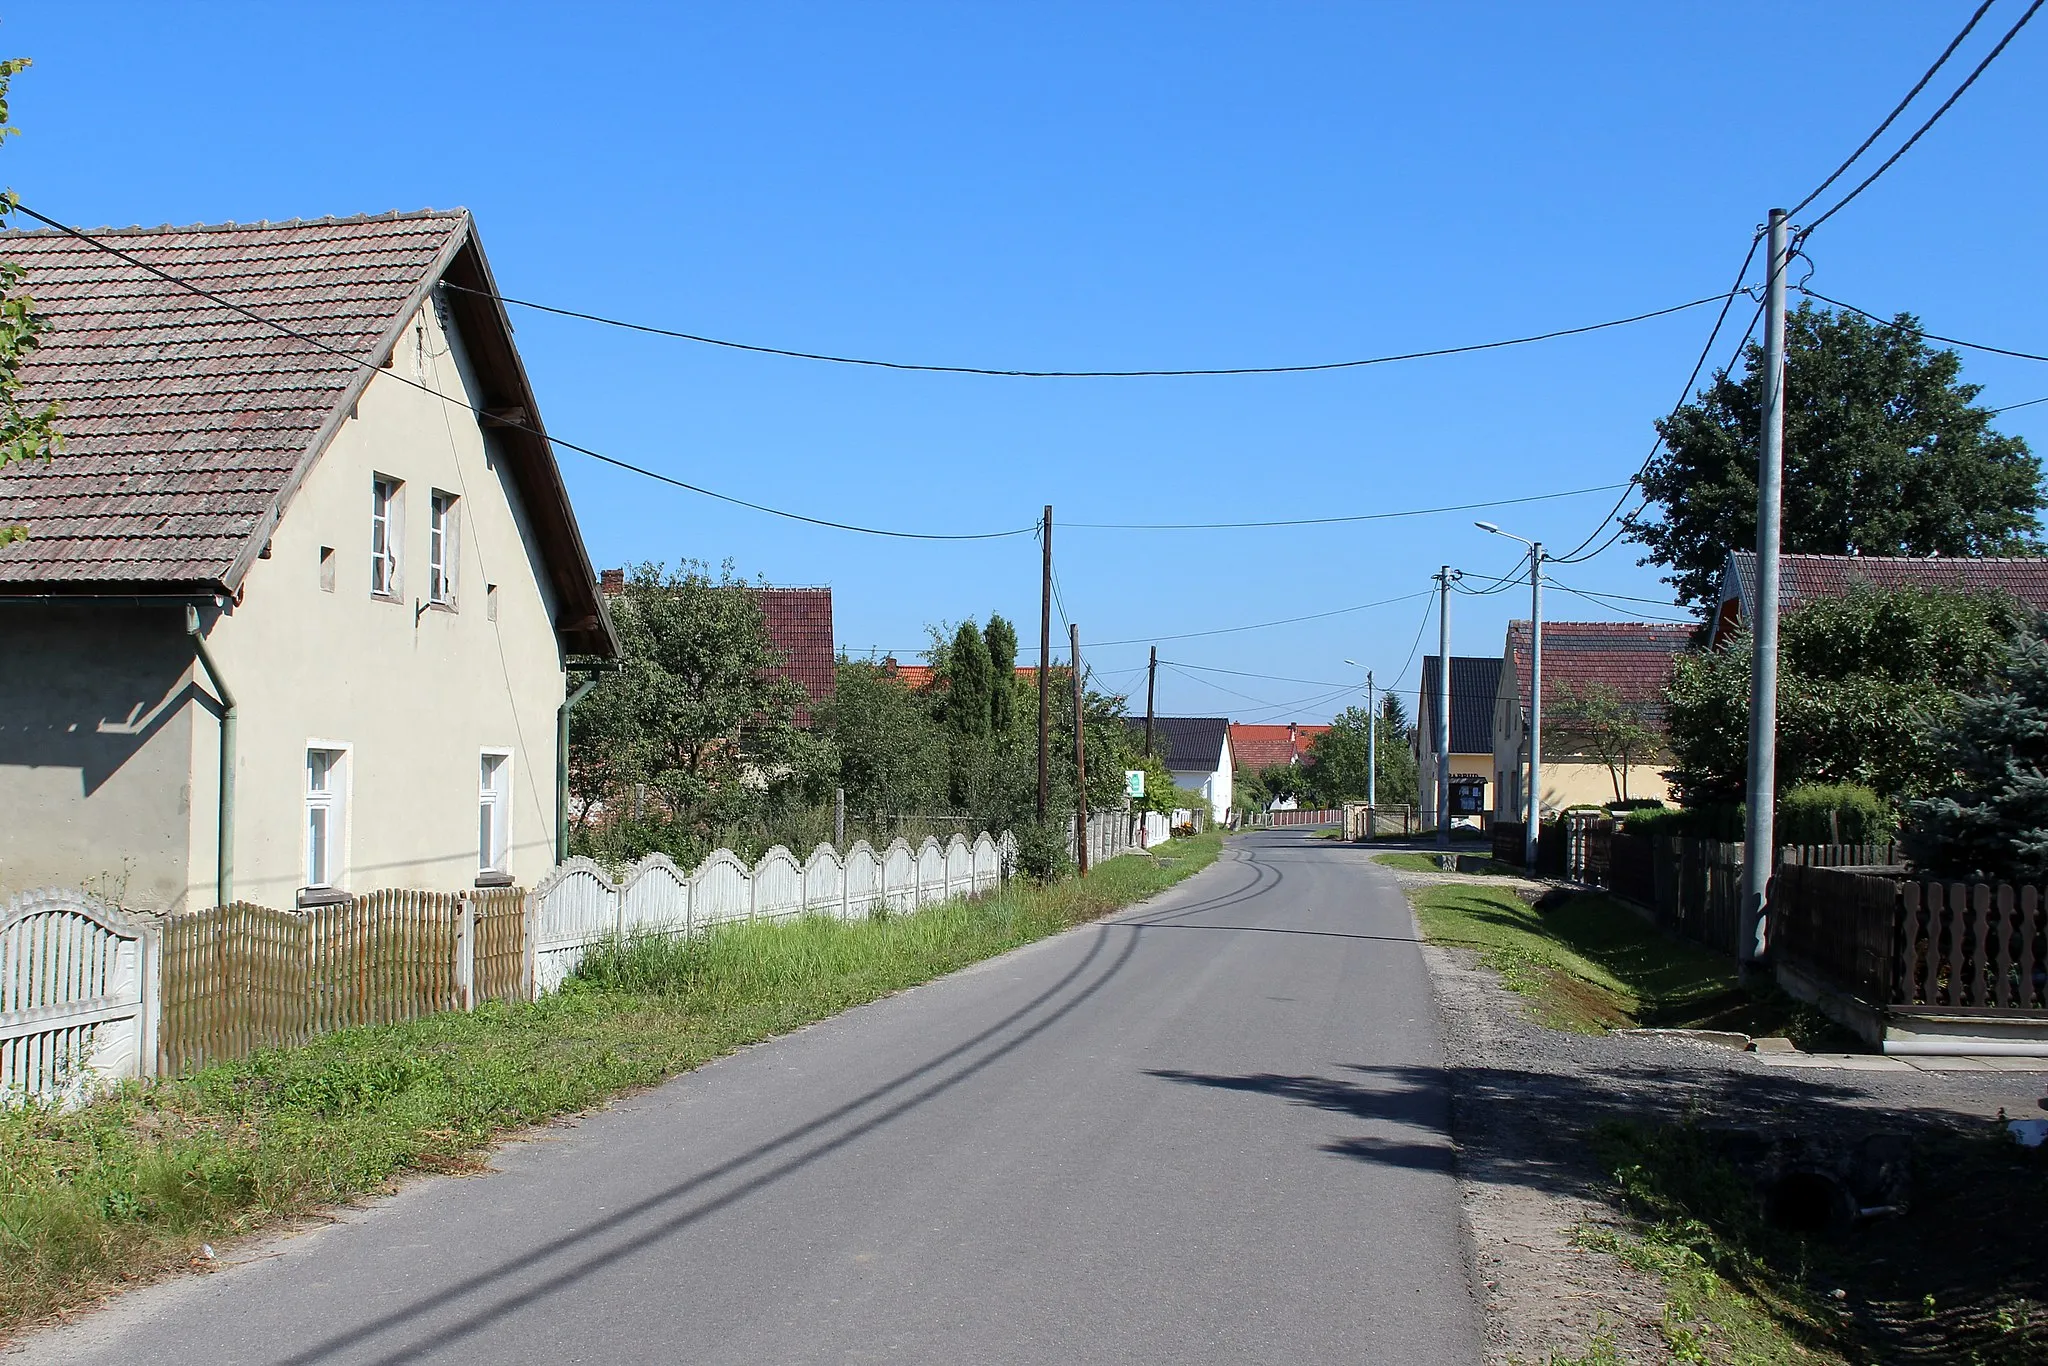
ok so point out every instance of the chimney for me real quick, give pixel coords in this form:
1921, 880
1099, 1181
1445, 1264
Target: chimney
612, 582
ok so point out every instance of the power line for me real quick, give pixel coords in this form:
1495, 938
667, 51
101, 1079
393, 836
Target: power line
1600, 600
1355, 517
1930, 336
2010, 406
1427, 609
1897, 110
1262, 625
1242, 673
1089, 374
600, 456
1932, 119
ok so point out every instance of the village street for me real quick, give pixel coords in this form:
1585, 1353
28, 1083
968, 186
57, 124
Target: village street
1191, 1132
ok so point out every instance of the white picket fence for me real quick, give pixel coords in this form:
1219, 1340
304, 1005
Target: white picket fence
77, 994
578, 906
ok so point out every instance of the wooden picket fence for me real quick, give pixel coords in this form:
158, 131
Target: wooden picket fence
242, 977
1971, 949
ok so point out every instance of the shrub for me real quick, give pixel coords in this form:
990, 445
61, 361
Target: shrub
1835, 813
1042, 852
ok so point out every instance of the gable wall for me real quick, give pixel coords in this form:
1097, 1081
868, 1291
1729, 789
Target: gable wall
417, 691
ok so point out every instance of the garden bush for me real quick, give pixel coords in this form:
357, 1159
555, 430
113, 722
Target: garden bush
1835, 813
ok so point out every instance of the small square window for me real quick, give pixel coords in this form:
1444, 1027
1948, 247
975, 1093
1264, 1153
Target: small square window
491, 601
327, 569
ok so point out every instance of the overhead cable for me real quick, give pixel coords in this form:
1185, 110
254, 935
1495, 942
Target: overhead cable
499, 420
1092, 374
1354, 517
1930, 336
1932, 119
1262, 625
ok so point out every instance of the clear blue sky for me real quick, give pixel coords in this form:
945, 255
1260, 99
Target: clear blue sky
1089, 186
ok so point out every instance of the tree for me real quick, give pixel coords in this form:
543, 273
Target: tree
967, 707
26, 432
694, 713
1338, 758
1595, 723
1989, 820
1886, 453
1862, 680
1001, 638
893, 756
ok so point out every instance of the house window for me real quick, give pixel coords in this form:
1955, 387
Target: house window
441, 549
327, 569
494, 813
326, 814
387, 533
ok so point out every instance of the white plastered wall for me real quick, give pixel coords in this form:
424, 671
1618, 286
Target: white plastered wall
416, 691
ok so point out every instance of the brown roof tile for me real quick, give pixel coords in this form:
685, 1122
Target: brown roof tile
800, 627
1633, 658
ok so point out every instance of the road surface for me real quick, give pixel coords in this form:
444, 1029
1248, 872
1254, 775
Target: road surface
1211, 1129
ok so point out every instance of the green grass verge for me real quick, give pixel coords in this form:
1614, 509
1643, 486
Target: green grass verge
1593, 965
1483, 864
129, 1186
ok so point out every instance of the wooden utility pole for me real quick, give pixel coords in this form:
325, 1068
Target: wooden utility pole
1080, 752
1151, 680
1044, 655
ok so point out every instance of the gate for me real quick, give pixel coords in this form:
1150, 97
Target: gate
76, 978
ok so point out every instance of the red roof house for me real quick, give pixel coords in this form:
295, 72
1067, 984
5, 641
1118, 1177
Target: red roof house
1802, 578
1631, 658
799, 622
1257, 748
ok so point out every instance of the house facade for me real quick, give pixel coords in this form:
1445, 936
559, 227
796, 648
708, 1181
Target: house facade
1629, 660
291, 619
1474, 681
1803, 578
1256, 748
1197, 752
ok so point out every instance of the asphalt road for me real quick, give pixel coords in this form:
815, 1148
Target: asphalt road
1192, 1133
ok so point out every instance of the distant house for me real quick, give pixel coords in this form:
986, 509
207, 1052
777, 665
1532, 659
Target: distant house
799, 622
1197, 752
1474, 681
1630, 659
291, 619
916, 676
1258, 748
1802, 578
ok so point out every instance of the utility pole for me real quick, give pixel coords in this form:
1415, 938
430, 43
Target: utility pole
1372, 753
1443, 709
1080, 754
1535, 813
1044, 654
839, 819
1763, 683
1151, 681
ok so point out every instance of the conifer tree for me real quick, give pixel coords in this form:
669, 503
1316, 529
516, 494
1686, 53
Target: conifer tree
1992, 822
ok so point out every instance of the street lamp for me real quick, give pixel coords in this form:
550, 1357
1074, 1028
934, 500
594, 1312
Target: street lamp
1532, 812
1372, 750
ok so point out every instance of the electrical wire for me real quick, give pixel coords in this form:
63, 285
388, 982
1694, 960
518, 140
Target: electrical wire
1930, 336
1355, 517
1600, 600
1932, 119
1262, 625
1243, 673
1897, 110
2010, 406
1090, 374
1299, 704
1685, 394
1416, 645
479, 413
1207, 683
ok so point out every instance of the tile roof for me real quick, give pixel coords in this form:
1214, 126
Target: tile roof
800, 627
916, 676
1632, 657
1189, 744
1802, 577
187, 427
1474, 681
1255, 748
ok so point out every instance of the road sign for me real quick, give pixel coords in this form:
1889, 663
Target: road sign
1134, 782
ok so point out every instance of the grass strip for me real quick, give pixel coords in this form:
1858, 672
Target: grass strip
128, 1187
1593, 964
1484, 864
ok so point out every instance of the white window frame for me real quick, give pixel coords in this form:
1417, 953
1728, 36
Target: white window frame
335, 801
387, 536
444, 546
498, 800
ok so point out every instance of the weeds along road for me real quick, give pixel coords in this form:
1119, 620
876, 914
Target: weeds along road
1172, 1136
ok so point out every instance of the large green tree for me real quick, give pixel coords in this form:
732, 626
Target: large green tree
694, 721
1886, 453
1001, 639
1989, 819
1862, 680
1338, 758
967, 705
27, 431
893, 753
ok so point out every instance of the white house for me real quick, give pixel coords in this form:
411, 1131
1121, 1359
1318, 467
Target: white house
1197, 752
293, 611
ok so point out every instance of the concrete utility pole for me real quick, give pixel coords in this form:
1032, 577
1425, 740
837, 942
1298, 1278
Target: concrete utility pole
1151, 682
1080, 754
1534, 818
1763, 683
1443, 708
1372, 752
1044, 654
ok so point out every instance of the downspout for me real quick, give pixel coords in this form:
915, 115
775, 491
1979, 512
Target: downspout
224, 853
562, 766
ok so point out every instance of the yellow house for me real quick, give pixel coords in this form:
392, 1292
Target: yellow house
293, 611
1631, 660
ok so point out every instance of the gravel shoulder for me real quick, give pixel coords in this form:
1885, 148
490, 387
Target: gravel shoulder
1524, 1097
